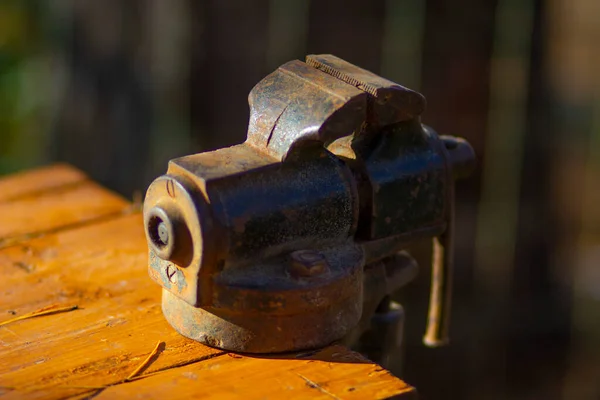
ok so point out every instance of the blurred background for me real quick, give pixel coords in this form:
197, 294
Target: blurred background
117, 88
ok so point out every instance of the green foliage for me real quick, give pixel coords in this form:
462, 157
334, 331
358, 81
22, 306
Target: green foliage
22, 46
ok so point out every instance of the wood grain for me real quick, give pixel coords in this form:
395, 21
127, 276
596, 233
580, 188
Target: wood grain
96, 260
334, 373
38, 181
64, 197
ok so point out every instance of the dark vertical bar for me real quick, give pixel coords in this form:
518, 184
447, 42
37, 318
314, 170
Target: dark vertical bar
105, 122
349, 29
455, 80
167, 34
288, 27
229, 45
402, 50
540, 309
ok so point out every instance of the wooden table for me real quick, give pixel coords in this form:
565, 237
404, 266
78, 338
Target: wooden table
75, 254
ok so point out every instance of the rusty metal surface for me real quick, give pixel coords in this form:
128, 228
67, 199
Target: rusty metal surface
389, 102
283, 242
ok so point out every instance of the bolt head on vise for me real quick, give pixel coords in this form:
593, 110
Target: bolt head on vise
261, 247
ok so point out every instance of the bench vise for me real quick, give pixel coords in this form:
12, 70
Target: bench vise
284, 242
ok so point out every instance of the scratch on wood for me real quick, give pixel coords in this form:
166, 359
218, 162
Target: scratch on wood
178, 365
97, 390
133, 376
314, 385
52, 189
38, 313
184, 363
88, 387
12, 333
88, 396
14, 240
377, 370
25, 267
147, 361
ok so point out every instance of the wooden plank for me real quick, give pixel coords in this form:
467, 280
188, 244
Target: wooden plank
49, 199
333, 373
100, 267
38, 180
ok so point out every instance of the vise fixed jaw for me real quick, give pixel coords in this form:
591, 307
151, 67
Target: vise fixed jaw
279, 244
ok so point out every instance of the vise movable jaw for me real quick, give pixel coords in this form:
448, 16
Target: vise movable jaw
279, 243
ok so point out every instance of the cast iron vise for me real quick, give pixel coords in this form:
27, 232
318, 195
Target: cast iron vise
283, 242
